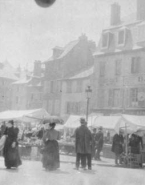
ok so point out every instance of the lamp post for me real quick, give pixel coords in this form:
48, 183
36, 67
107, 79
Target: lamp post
88, 96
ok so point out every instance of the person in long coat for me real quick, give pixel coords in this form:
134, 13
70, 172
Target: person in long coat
83, 145
10, 151
135, 143
117, 146
50, 152
94, 143
99, 141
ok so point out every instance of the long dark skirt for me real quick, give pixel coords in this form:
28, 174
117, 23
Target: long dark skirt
12, 157
50, 154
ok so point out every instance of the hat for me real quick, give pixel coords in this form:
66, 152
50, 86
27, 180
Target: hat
100, 128
82, 120
11, 122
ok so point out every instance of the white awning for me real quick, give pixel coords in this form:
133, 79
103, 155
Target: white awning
25, 115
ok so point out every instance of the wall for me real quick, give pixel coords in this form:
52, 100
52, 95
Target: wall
74, 97
19, 97
124, 82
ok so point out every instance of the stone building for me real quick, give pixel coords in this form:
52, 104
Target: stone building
27, 92
64, 63
119, 72
73, 95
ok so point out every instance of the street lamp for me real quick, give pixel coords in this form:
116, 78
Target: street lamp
88, 96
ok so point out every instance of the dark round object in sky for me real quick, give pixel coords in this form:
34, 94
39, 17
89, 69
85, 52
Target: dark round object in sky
44, 3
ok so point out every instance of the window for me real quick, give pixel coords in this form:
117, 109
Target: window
69, 87
50, 106
121, 37
56, 108
73, 108
68, 107
141, 33
116, 95
135, 65
110, 98
79, 86
105, 40
134, 95
118, 67
58, 86
102, 68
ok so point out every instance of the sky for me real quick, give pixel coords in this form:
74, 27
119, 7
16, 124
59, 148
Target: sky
29, 32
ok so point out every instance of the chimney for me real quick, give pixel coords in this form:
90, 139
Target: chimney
115, 14
37, 68
140, 9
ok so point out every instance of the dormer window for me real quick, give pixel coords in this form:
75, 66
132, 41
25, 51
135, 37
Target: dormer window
105, 40
121, 37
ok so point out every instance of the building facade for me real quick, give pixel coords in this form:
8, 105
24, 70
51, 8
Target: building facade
64, 63
119, 77
73, 95
27, 92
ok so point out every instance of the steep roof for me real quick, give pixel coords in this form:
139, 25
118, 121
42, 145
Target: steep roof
66, 50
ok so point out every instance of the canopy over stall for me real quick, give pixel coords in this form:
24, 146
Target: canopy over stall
73, 122
24, 115
107, 122
132, 123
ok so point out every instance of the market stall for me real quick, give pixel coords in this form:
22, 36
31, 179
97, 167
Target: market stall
28, 122
130, 124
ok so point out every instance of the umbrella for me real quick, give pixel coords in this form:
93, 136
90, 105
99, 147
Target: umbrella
53, 119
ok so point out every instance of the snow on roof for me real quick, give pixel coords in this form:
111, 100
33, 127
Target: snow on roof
84, 74
22, 81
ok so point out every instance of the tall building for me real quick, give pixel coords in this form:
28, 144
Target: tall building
64, 63
73, 94
119, 72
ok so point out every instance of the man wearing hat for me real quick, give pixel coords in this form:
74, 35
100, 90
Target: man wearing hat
117, 145
83, 144
99, 141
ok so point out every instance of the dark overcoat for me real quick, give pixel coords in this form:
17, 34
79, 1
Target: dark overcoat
83, 140
117, 146
11, 155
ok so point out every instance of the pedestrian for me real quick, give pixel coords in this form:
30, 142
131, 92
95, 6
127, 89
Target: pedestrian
83, 145
135, 143
3, 128
10, 151
50, 152
94, 143
99, 142
117, 146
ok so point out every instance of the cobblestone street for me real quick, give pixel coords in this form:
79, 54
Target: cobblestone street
103, 173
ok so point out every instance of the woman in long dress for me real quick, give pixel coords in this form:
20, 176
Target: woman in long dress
50, 152
10, 151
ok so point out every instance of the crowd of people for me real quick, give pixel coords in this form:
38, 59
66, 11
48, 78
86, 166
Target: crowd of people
133, 142
88, 145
